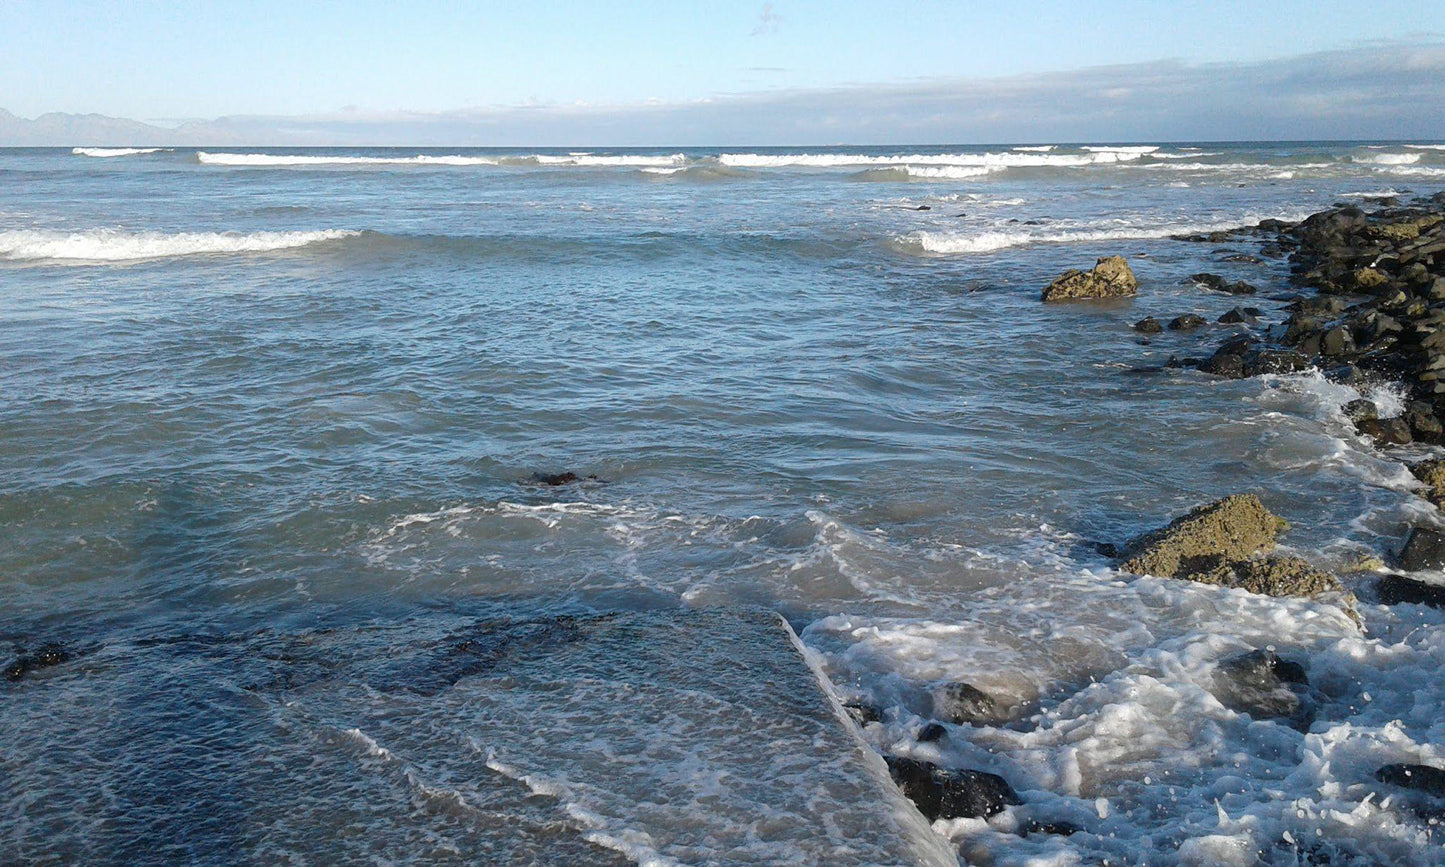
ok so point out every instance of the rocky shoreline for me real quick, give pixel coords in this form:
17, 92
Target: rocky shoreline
1367, 307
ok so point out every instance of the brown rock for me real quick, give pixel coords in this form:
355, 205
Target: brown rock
1109, 278
1234, 528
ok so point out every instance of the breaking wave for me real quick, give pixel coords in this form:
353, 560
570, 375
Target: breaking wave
926, 242
116, 245
225, 159
114, 152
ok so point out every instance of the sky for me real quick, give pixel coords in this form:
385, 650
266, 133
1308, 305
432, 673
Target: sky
170, 62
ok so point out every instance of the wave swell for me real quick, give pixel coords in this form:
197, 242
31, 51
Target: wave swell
115, 245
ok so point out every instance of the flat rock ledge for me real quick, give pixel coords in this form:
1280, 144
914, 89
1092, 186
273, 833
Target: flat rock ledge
1227, 543
1111, 277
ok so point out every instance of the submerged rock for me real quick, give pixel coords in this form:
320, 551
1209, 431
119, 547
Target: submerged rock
1268, 576
930, 733
1111, 277
46, 656
1262, 684
1148, 325
1187, 322
1402, 589
1216, 283
964, 703
1424, 549
1421, 778
1056, 828
863, 714
944, 794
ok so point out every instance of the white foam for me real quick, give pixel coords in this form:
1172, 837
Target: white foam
1037, 149
1387, 159
620, 161
1140, 229
113, 245
1427, 147
929, 172
114, 152
990, 160
1122, 149
229, 159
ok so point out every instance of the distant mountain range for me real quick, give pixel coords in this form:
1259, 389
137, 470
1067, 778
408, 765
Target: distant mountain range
58, 129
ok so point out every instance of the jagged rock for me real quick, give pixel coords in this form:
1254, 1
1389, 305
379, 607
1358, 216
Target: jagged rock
1432, 473
942, 794
1424, 426
1187, 322
1262, 684
1337, 341
1268, 576
1274, 361
931, 732
1386, 431
963, 703
1234, 528
1424, 549
1111, 277
1237, 316
1148, 325
1402, 589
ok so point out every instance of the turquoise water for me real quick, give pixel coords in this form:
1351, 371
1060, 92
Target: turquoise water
284, 390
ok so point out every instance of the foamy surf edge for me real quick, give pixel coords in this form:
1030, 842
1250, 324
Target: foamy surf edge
115, 152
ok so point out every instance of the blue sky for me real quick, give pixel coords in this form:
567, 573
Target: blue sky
171, 60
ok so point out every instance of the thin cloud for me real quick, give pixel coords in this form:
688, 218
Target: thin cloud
1373, 92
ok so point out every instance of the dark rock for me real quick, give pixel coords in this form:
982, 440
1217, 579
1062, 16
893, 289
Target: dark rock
47, 655
1337, 341
1424, 426
1262, 684
1216, 283
1432, 473
931, 732
1057, 828
1424, 549
555, 479
1360, 410
1243, 257
1275, 361
943, 794
1386, 431
1228, 366
1236, 316
1148, 325
1109, 278
863, 714
964, 703
1253, 311
1421, 778
1187, 322
1401, 589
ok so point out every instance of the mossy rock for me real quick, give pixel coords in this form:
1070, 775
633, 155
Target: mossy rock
1234, 528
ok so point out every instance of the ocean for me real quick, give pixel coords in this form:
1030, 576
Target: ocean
273, 424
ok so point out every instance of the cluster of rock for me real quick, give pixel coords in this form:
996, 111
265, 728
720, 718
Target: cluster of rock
1379, 310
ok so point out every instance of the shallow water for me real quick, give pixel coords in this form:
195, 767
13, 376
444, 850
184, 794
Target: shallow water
283, 389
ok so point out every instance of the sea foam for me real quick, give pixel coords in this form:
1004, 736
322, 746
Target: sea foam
114, 152
114, 245
228, 159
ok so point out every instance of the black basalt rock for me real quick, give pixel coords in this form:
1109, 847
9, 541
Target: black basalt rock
1148, 325
964, 703
46, 656
946, 794
1421, 778
1402, 589
1424, 549
1187, 322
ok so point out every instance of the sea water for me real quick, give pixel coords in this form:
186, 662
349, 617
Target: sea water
251, 398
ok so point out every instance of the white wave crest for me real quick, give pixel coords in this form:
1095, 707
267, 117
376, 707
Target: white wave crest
1121, 149
893, 173
1036, 149
114, 245
224, 159
1427, 147
1387, 159
114, 152
987, 241
606, 161
989, 160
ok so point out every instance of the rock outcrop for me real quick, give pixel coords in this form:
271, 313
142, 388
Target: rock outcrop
1110, 278
1227, 543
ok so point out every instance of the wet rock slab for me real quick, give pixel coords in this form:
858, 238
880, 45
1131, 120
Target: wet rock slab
690, 736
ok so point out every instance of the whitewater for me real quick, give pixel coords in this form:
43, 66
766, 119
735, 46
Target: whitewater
627, 506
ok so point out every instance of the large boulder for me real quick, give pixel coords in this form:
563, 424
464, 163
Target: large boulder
1234, 528
1227, 543
1110, 278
